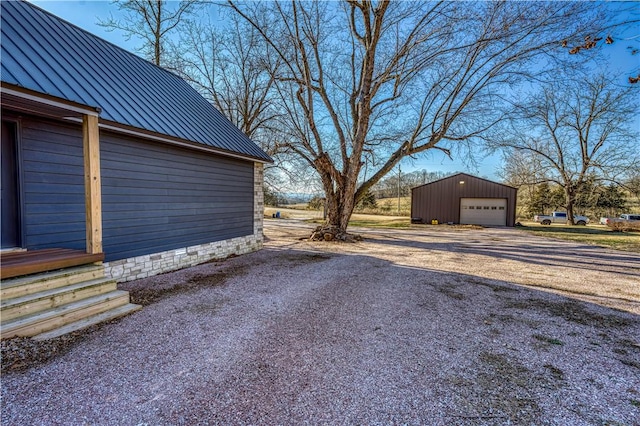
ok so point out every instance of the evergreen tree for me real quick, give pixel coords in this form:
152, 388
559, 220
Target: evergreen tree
612, 200
545, 199
367, 202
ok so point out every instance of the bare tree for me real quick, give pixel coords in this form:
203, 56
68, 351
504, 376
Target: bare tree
387, 187
577, 130
233, 69
151, 21
230, 68
385, 80
521, 168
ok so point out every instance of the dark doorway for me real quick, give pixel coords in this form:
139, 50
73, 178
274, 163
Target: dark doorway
10, 232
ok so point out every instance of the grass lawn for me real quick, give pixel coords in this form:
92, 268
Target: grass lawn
380, 222
593, 234
371, 221
385, 207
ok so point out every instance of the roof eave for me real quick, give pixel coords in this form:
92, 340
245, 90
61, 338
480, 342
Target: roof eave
32, 102
35, 103
133, 131
466, 174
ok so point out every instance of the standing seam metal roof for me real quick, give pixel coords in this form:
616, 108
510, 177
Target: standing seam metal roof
46, 54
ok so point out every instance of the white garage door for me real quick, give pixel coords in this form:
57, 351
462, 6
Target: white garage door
483, 211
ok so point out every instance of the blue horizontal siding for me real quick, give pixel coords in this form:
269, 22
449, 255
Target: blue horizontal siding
74, 240
52, 184
154, 197
157, 197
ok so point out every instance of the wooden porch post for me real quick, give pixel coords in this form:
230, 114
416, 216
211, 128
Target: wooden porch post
92, 183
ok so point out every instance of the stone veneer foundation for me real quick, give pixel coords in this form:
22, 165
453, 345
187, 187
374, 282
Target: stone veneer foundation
157, 263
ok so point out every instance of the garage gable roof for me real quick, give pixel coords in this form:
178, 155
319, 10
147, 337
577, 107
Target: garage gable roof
45, 54
461, 176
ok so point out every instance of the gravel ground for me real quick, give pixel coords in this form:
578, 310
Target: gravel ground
441, 326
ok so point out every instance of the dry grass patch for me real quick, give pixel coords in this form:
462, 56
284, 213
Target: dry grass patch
450, 291
291, 260
159, 290
556, 373
548, 340
23, 353
625, 226
372, 221
381, 222
389, 206
592, 234
500, 393
572, 311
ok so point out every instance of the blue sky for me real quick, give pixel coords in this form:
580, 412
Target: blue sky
86, 13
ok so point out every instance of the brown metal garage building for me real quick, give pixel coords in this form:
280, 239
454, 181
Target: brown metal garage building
464, 199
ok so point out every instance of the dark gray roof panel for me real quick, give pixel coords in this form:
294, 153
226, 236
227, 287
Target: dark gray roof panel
46, 54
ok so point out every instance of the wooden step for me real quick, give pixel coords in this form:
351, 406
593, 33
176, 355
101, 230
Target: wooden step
37, 302
50, 319
87, 322
22, 286
36, 261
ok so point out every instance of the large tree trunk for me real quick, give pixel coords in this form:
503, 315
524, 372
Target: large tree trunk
339, 207
340, 193
338, 213
570, 197
339, 216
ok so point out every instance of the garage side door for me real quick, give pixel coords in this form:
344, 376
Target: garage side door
483, 211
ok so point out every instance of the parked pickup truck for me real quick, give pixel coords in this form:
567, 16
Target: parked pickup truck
622, 218
560, 217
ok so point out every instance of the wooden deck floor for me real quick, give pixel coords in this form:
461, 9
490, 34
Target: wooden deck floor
15, 264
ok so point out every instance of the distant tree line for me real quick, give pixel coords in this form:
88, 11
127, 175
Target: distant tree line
388, 187
593, 199
273, 198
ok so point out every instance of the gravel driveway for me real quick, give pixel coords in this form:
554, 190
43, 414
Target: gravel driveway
436, 326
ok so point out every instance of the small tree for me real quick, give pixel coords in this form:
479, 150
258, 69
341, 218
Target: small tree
611, 200
587, 194
521, 170
544, 199
633, 184
367, 202
270, 197
316, 203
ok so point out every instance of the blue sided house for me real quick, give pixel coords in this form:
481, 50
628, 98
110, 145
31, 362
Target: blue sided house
111, 166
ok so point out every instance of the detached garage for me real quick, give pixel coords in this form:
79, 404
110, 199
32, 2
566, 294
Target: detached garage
464, 199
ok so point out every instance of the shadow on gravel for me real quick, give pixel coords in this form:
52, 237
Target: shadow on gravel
580, 257
22, 353
379, 334
338, 338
